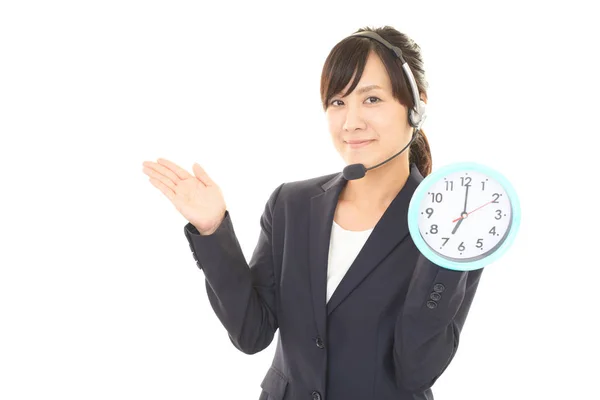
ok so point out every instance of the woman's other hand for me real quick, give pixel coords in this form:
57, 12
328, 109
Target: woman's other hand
198, 198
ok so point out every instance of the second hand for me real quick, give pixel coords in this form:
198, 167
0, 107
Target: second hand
462, 217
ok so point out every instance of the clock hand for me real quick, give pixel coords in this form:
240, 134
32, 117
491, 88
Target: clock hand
464, 215
466, 195
457, 225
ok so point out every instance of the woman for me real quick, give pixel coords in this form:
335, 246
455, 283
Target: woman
361, 313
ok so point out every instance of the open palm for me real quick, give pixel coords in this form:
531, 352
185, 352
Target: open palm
197, 197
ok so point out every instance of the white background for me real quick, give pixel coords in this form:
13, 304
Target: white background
100, 297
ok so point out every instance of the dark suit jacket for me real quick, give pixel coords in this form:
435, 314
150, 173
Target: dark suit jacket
389, 330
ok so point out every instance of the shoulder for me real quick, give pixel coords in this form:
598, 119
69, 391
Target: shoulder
300, 190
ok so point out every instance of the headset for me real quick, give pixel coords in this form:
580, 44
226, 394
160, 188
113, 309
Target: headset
416, 115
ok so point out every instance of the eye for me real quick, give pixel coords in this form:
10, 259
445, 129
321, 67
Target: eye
377, 100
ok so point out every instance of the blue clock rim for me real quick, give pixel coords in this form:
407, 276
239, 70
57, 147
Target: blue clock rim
417, 198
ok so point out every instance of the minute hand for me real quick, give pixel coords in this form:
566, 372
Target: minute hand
464, 213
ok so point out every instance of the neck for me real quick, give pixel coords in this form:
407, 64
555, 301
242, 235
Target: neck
379, 186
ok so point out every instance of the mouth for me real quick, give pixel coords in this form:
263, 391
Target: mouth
355, 144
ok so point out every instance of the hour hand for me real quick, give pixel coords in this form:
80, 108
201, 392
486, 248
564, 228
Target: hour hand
457, 225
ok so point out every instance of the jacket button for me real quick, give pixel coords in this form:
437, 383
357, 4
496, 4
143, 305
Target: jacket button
316, 395
431, 304
435, 296
319, 342
438, 287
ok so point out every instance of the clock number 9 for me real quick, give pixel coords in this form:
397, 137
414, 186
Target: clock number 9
429, 212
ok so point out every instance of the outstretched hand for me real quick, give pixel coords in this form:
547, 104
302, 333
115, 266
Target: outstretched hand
197, 197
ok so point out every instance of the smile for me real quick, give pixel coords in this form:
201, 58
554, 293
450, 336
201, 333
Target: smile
356, 145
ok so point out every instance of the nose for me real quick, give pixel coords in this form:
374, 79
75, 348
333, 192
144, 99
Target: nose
354, 119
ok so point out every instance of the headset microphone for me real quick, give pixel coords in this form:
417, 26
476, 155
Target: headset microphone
416, 115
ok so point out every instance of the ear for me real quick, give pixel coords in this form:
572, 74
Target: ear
424, 97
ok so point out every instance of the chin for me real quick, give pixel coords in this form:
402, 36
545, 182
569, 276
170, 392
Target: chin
367, 155
365, 159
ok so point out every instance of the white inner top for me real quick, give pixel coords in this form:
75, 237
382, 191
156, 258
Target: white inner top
344, 246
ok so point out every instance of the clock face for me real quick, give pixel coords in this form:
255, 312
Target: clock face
464, 215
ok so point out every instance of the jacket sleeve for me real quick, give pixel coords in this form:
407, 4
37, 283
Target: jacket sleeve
241, 294
428, 328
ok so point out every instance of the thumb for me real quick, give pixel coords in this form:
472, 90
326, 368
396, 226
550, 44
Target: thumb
202, 175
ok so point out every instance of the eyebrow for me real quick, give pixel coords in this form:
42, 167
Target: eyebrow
367, 89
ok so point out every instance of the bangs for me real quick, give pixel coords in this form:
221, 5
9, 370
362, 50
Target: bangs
346, 57
349, 57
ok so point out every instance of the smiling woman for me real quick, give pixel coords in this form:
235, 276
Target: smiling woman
360, 313
366, 96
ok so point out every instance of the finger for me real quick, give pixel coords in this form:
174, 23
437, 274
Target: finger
202, 175
160, 177
163, 170
180, 172
163, 188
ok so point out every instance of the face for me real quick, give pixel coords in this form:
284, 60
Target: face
369, 125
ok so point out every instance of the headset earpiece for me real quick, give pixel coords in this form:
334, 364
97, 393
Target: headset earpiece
417, 117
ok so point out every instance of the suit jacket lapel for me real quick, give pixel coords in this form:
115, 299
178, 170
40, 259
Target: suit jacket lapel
322, 210
391, 229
